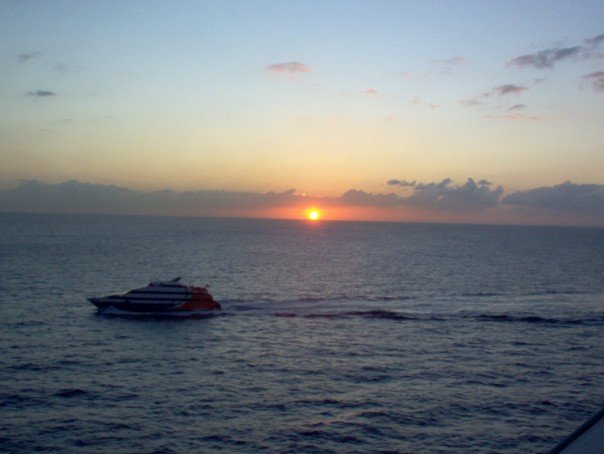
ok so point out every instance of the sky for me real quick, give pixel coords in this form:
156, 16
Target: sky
375, 110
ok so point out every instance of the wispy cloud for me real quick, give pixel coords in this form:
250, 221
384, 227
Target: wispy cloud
63, 68
509, 89
455, 61
501, 90
547, 58
596, 79
24, 58
470, 102
517, 117
517, 107
371, 91
419, 101
292, 67
595, 41
41, 93
401, 183
447, 66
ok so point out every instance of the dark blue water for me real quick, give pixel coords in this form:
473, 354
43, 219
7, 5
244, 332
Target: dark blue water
335, 337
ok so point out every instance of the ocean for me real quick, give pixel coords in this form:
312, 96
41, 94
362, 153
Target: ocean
334, 336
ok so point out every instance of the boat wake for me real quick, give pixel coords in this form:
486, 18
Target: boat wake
337, 310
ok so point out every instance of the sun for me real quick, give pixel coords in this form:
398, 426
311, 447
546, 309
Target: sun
313, 214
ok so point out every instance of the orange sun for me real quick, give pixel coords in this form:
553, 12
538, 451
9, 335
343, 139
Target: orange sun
313, 214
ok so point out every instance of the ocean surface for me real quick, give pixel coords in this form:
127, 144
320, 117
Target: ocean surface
334, 336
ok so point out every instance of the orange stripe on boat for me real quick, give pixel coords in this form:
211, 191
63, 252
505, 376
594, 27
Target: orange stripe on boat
200, 300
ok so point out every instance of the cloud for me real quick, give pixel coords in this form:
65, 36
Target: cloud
596, 79
447, 66
465, 202
362, 198
402, 183
405, 74
545, 58
430, 186
455, 61
292, 67
595, 41
584, 199
63, 68
448, 196
517, 107
516, 116
441, 196
371, 91
77, 197
41, 93
57, 66
24, 58
509, 89
501, 90
470, 102
419, 101
590, 49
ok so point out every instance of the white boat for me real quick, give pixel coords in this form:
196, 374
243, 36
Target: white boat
158, 298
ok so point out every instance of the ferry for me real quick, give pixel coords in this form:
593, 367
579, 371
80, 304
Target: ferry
169, 297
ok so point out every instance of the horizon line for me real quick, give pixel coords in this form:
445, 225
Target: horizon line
299, 220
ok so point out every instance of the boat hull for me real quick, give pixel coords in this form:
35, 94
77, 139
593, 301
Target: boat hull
129, 306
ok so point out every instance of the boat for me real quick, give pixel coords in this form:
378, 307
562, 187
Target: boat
587, 439
169, 298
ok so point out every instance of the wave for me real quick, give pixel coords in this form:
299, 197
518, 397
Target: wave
558, 292
23, 399
71, 392
29, 323
537, 319
370, 314
389, 315
483, 294
544, 292
400, 316
315, 299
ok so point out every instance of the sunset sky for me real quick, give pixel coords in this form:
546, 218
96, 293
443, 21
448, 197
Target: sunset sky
343, 101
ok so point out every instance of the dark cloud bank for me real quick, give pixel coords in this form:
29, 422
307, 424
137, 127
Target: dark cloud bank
566, 203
